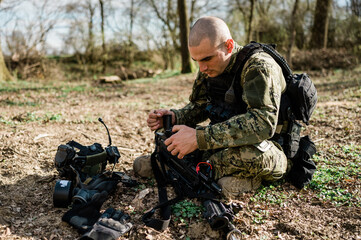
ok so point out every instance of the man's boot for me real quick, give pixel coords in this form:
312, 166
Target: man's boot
233, 187
142, 166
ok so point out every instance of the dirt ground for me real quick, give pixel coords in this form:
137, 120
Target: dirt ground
35, 118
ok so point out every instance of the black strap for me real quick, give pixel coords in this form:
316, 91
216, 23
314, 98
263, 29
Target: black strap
164, 205
77, 145
287, 72
244, 54
253, 47
160, 224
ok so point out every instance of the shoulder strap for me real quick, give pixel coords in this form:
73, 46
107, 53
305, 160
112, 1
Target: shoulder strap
245, 53
287, 72
254, 47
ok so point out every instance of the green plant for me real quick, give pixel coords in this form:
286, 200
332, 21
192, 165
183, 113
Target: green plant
337, 170
271, 194
52, 117
260, 216
186, 210
13, 103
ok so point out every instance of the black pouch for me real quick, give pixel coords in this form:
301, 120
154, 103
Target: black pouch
303, 95
292, 139
303, 167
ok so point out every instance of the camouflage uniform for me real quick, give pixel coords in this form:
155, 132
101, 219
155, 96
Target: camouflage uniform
240, 147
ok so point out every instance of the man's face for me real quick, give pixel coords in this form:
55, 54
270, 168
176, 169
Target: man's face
212, 60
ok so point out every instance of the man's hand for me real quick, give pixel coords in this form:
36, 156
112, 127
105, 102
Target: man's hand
184, 141
155, 118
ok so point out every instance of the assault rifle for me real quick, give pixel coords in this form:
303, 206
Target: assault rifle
190, 178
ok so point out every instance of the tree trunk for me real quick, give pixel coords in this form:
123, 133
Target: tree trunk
356, 8
320, 24
250, 20
4, 72
130, 49
292, 32
184, 32
90, 46
104, 53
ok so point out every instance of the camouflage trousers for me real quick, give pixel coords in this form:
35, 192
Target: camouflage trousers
265, 161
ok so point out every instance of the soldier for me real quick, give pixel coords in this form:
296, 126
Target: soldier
242, 107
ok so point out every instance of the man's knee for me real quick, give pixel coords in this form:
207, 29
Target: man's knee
250, 161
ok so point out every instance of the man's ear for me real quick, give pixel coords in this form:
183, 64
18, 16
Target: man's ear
230, 45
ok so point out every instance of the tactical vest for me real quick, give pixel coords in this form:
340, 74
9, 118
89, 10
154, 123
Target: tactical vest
224, 92
224, 97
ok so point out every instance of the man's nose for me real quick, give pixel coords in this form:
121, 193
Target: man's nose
202, 66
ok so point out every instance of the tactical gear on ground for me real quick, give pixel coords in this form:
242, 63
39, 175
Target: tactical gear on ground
82, 216
111, 225
88, 161
87, 187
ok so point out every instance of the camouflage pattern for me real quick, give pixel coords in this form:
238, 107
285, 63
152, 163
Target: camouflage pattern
251, 161
238, 137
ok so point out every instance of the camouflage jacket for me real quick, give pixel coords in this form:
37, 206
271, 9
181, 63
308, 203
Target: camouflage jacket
262, 82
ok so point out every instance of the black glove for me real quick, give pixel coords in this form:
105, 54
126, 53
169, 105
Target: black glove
82, 216
110, 226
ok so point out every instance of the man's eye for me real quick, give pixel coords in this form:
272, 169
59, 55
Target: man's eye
206, 59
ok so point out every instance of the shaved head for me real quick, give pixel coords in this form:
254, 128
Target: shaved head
213, 28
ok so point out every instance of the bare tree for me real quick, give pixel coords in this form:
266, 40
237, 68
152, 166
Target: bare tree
90, 7
167, 13
4, 72
184, 33
130, 53
292, 31
81, 36
104, 49
26, 42
356, 7
320, 24
247, 17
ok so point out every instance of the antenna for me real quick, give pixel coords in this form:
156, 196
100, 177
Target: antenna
110, 140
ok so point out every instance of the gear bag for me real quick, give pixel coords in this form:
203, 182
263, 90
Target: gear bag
88, 161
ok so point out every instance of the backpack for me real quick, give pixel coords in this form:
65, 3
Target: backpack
300, 98
297, 104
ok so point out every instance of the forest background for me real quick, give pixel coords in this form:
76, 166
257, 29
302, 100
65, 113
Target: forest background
142, 37
64, 64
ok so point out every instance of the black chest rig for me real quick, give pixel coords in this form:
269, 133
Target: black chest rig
224, 94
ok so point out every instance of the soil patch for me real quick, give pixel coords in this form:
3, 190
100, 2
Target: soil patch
35, 120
